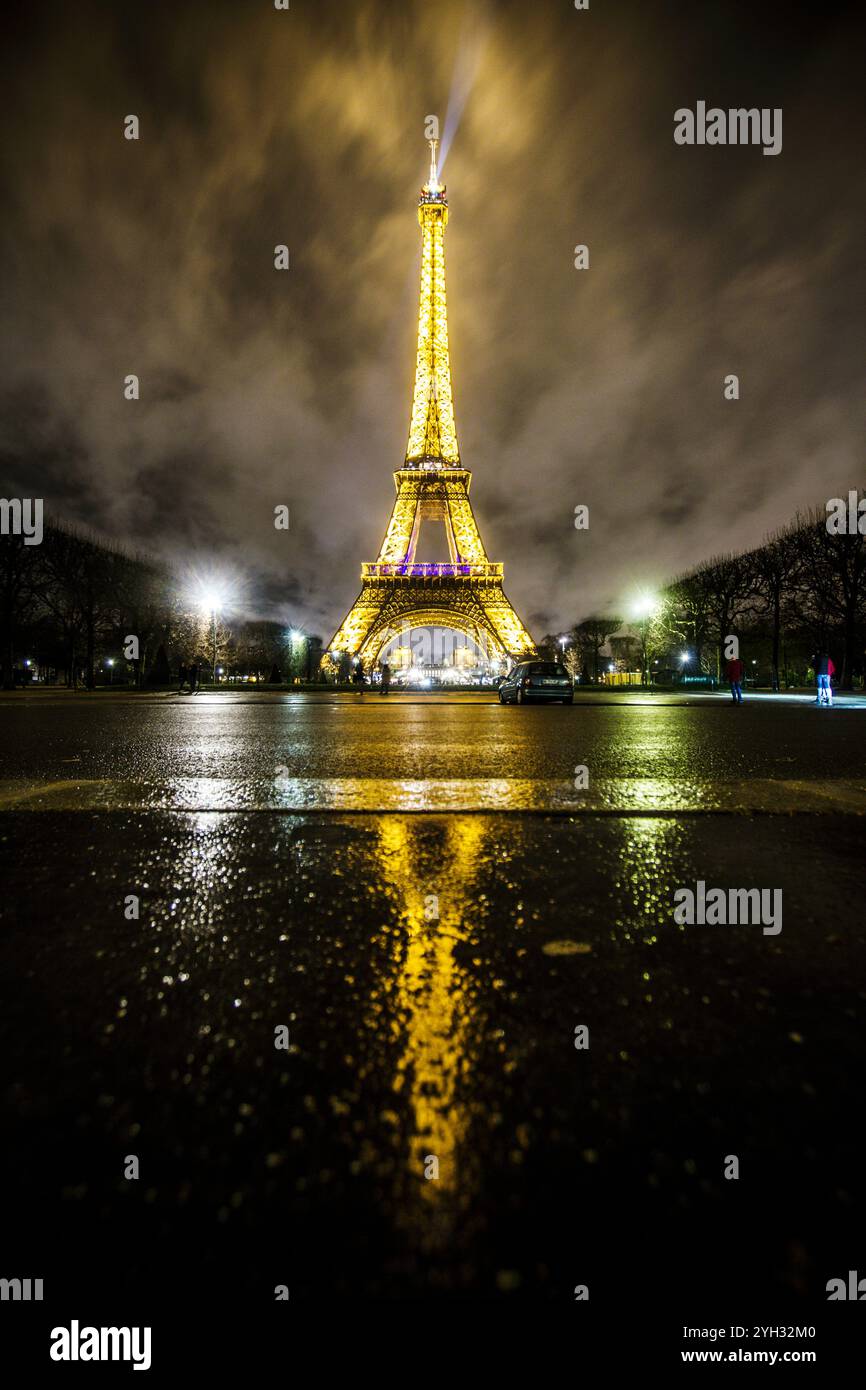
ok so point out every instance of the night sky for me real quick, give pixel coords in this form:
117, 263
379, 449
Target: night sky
305, 127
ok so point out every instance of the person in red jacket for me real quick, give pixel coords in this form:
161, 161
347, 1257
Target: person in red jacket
735, 671
824, 670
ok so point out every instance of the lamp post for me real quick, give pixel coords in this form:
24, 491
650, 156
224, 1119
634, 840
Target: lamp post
645, 609
210, 596
563, 642
298, 641
210, 603
110, 664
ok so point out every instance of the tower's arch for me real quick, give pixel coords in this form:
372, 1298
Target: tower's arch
480, 632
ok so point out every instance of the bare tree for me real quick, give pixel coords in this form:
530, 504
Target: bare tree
730, 588
19, 565
590, 636
688, 614
777, 565
836, 569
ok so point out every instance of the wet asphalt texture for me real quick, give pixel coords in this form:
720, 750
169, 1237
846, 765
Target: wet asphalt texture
431, 969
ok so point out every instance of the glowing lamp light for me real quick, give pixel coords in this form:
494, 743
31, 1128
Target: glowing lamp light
646, 606
210, 601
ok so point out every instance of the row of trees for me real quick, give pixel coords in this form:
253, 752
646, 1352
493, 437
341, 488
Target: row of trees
803, 590
69, 606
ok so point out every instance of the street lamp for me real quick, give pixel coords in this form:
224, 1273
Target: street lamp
298, 640
210, 601
645, 608
110, 664
563, 642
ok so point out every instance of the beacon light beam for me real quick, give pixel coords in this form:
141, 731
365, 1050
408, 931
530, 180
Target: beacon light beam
473, 37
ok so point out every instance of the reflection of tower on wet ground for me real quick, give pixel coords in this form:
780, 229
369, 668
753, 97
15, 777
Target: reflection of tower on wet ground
429, 868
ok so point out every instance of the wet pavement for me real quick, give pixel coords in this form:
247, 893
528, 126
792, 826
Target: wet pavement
365, 753
431, 968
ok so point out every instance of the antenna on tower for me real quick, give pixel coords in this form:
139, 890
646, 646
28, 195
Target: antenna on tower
433, 182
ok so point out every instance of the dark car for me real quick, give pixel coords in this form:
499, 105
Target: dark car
536, 680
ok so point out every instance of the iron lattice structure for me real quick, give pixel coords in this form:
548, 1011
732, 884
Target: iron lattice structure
465, 592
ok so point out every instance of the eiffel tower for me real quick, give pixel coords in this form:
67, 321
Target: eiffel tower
465, 592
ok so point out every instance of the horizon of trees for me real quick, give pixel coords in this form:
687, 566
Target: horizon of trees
69, 605
803, 590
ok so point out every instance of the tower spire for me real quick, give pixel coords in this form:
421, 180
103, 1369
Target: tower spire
433, 179
432, 431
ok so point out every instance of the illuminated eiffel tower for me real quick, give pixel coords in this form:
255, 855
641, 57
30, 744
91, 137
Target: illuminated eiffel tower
465, 592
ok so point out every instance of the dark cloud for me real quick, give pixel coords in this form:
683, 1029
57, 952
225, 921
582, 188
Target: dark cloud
305, 127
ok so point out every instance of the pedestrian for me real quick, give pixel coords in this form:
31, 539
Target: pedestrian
193, 678
386, 679
181, 679
734, 672
824, 670
358, 675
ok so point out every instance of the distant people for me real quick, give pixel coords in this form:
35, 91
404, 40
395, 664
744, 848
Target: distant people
358, 676
735, 671
386, 679
182, 677
192, 676
824, 670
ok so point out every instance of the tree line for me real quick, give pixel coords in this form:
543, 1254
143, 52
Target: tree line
801, 591
69, 606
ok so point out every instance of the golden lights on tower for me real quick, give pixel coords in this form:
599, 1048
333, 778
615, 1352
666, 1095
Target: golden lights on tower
432, 431
463, 592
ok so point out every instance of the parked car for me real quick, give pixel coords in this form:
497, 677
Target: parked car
536, 680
